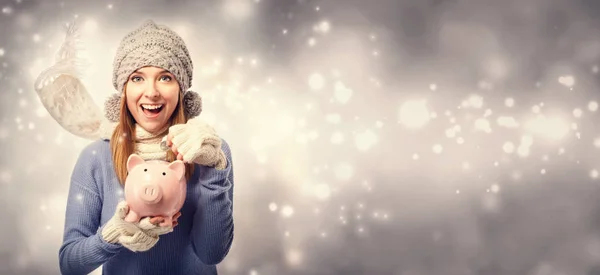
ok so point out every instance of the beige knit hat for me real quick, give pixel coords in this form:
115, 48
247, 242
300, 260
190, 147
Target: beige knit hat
153, 45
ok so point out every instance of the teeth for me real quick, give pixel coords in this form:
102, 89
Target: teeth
151, 106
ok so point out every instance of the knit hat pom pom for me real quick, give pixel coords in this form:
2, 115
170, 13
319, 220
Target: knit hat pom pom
192, 103
112, 107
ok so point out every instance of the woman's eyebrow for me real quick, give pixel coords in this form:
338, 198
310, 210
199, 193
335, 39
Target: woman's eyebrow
142, 73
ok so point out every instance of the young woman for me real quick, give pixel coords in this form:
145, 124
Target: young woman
152, 73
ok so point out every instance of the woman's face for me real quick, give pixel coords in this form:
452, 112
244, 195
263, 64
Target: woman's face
152, 94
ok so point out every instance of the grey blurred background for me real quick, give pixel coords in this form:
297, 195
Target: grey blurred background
368, 137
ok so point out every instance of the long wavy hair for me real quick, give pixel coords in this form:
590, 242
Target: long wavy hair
122, 142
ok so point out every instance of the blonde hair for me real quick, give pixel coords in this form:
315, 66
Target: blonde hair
122, 140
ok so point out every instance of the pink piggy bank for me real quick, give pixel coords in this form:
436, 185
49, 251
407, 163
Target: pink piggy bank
154, 188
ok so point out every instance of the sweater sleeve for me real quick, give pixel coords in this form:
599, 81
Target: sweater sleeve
212, 229
83, 249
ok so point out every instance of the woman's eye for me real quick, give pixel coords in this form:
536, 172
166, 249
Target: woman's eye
165, 78
136, 78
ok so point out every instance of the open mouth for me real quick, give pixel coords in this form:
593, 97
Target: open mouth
152, 110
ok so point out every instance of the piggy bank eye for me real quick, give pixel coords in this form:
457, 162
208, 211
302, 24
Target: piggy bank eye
146, 170
164, 174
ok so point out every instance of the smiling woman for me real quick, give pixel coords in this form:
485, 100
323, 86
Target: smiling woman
152, 73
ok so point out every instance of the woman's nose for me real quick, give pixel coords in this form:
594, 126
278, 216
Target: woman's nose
151, 91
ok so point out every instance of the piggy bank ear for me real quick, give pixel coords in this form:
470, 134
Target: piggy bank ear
133, 161
178, 167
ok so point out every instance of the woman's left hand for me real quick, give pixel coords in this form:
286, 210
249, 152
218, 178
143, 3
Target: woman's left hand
196, 141
157, 220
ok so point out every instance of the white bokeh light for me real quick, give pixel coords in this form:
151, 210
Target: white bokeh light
506, 121
322, 191
592, 106
567, 80
316, 81
272, 207
552, 128
594, 174
508, 147
483, 125
365, 140
414, 113
341, 93
287, 211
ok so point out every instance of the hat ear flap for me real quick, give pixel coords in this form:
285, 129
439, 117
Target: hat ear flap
112, 107
192, 103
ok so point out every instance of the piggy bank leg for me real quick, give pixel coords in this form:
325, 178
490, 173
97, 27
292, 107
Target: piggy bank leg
168, 222
132, 216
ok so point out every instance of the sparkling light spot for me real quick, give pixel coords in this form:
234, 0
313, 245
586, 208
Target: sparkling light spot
414, 113
287, 211
495, 188
365, 140
597, 142
475, 101
316, 81
324, 26
483, 125
592, 106
523, 151
509, 102
567, 80
594, 174
508, 147
508, 122
553, 128
341, 93
272, 207
294, 257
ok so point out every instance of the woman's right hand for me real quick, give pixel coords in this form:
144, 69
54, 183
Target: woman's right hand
138, 236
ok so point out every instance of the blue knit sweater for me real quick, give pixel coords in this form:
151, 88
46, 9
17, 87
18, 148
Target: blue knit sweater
200, 241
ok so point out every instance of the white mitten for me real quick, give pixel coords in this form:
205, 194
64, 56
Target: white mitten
198, 142
117, 226
140, 241
140, 236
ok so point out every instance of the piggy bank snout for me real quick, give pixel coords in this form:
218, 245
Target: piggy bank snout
150, 193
